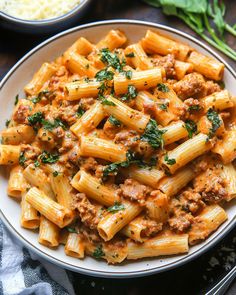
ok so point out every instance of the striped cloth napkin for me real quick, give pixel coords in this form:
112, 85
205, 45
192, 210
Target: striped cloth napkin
23, 273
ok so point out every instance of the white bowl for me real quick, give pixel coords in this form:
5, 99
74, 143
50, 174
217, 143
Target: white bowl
13, 84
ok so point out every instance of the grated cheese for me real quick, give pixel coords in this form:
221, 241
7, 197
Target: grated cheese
37, 10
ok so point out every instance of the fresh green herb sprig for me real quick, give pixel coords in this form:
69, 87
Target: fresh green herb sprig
196, 14
168, 160
191, 127
114, 121
98, 252
47, 158
116, 207
131, 93
153, 135
214, 118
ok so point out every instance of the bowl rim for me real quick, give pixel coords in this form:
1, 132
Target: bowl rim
44, 22
114, 274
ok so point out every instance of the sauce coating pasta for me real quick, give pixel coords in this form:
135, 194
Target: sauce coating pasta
123, 151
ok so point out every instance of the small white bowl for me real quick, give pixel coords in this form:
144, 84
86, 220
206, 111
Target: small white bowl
13, 84
45, 26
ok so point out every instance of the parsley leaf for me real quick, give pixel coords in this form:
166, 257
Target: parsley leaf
164, 106
114, 121
191, 127
162, 87
7, 123
104, 75
131, 54
128, 74
153, 135
194, 108
22, 159
16, 99
169, 161
48, 158
116, 207
80, 112
71, 230
36, 163
55, 173
35, 118
38, 98
102, 88
214, 118
51, 125
131, 93
108, 102
98, 252
111, 59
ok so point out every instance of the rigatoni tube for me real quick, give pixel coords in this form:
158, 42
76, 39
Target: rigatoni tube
89, 120
48, 233
206, 222
74, 246
17, 183
91, 186
159, 246
156, 43
82, 89
186, 152
18, 134
128, 116
53, 211
101, 148
9, 154
140, 80
110, 224
29, 215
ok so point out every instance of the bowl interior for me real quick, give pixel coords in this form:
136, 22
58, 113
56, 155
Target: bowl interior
15, 82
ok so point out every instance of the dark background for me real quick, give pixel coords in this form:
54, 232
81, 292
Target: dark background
195, 277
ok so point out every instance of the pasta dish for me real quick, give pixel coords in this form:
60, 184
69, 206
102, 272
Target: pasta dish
123, 151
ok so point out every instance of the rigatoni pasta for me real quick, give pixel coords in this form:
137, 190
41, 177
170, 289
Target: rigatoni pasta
123, 151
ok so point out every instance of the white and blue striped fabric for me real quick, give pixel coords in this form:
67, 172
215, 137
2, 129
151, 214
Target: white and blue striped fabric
23, 273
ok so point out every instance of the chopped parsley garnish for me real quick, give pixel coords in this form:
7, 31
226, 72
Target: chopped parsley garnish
98, 252
128, 74
221, 84
71, 230
114, 121
153, 135
111, 59
7, 123
214, 118
114, 167
116, 207
107, 102
16, 99
104, 75
194, 108
80, 112
22, 159
55, 173
131, 54
191, 127
102, 88
48, 158
162, 87
131, 93
36, 164
164, 106
51, 125
169, 161
38, 98
35, 118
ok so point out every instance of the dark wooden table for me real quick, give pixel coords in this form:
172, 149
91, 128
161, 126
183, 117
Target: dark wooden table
193, 278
